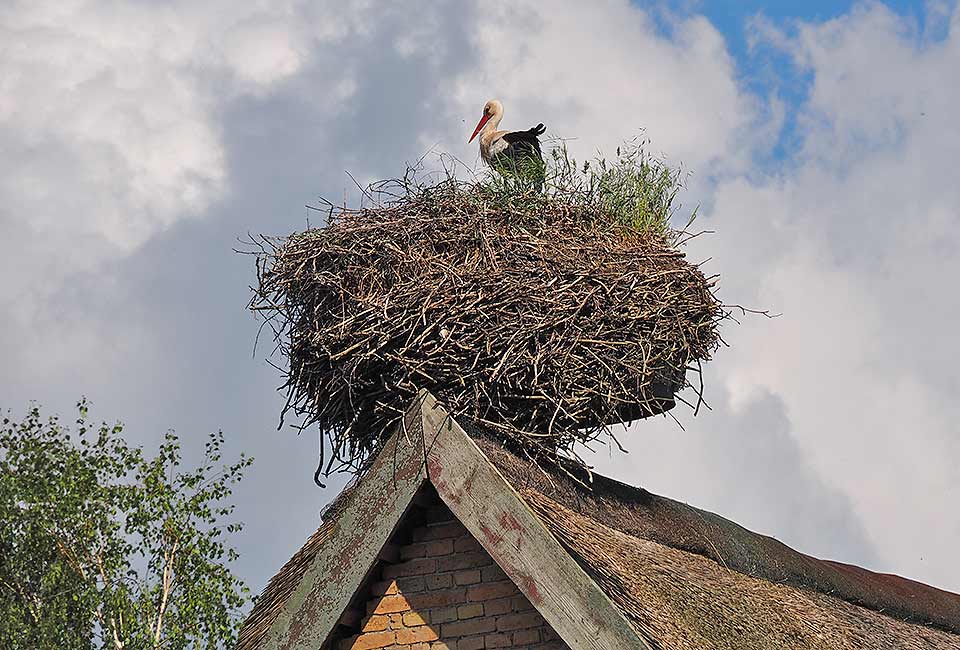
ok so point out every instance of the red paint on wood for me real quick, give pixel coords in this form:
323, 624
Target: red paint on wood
508, 522
435, 472
492, 536
529, 587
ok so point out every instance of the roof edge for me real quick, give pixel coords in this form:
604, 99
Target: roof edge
364, 523
430, 446
574, 605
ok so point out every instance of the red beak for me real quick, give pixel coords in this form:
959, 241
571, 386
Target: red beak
483, 120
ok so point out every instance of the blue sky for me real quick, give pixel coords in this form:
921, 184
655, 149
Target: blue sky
765, 70
143, 139
730, 16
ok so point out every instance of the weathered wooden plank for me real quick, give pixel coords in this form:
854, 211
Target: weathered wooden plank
485, 502
363, 527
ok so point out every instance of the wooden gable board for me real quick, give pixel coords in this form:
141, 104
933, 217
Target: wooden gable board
495, 514
362, 528
434, 447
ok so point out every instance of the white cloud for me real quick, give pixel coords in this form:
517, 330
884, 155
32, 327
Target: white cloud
109, 112
855, 241
602, 73
838, 417
111, 127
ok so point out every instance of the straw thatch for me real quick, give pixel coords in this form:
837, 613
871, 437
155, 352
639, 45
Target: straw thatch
682, 601
268, 605
542, 319
643, 515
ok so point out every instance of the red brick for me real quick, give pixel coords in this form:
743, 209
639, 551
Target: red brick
470, 643
492, 574
470, 611
526, 637
388, 605
376, 623
467, 576
442, 598
439, 547
497, 607
439, 581
419, 567
411, 584
396, 621
389, 587
443, 615
416, 635
450, 530
370, 640
463, 561
519, 621
411, 551
431, 548
413, 619
468, 628
491, 590
443, 645
497, 641
466, 544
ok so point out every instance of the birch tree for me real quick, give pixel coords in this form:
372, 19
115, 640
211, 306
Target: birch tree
105, 546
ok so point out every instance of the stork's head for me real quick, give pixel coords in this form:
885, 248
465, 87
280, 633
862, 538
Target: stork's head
491, 109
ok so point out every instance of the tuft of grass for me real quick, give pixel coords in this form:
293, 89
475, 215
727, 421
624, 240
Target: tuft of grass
634, 190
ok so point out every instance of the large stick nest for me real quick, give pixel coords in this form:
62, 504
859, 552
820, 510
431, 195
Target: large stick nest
541, 320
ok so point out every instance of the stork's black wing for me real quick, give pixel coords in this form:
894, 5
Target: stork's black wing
523, 144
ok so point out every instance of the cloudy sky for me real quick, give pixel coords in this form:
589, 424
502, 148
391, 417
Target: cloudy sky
141, 139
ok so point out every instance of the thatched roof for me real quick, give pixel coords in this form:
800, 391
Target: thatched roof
274, 596
646, 516
682, 577
684, 601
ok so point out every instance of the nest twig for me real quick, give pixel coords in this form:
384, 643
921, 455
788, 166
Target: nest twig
541, 320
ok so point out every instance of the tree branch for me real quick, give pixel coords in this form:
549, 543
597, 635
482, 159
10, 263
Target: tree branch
168, 563
117, 643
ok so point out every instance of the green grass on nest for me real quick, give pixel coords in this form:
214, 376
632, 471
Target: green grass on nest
634, 190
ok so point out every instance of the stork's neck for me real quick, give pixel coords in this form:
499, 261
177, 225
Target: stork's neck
486, 133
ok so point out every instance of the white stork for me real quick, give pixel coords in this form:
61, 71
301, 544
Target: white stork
507, 150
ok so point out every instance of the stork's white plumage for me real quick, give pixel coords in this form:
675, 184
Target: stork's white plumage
501, 149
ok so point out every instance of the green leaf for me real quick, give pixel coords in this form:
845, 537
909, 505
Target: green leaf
90, 525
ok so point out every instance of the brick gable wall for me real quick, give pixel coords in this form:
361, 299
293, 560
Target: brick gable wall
443, 591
